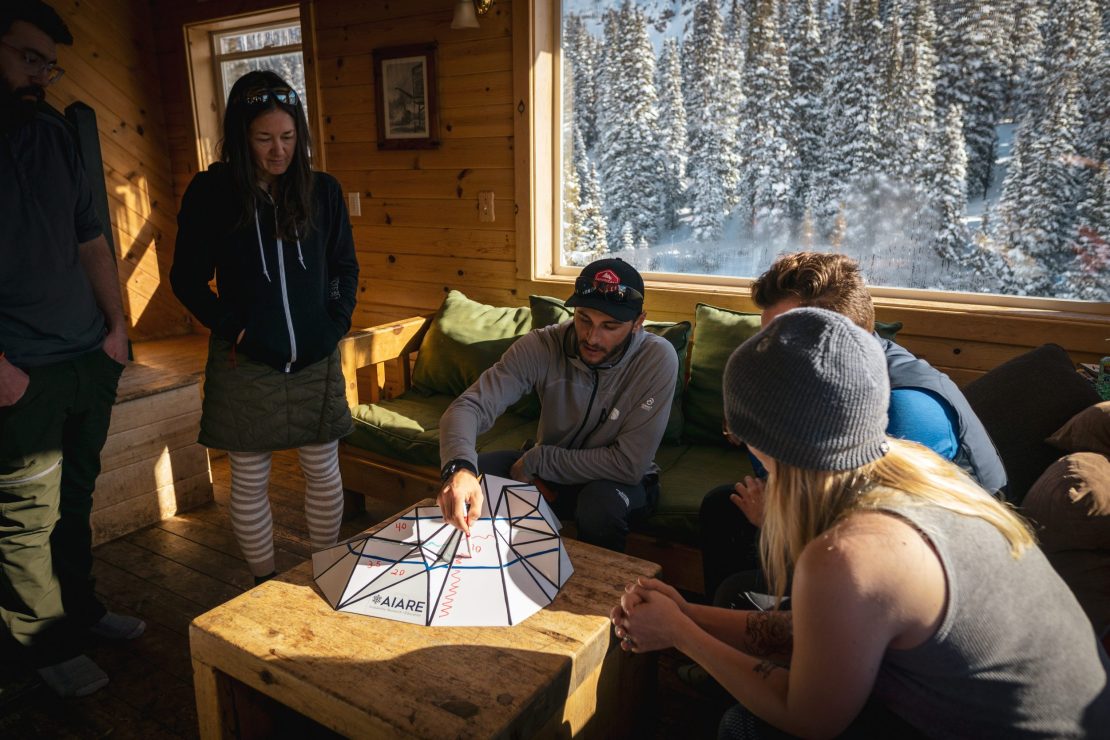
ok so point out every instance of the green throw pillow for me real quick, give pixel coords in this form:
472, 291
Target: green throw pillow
547, 311
717, 332
888, 329
465, 338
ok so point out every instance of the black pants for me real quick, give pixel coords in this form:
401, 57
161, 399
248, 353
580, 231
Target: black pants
874, 721
601, 509
50, 442
729, 542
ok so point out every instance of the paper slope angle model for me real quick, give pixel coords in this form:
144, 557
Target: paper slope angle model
416, 569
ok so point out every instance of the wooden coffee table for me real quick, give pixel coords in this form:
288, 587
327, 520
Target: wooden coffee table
559, 672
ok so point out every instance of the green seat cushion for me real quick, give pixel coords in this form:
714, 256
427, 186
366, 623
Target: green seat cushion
547, 311
717, 332
688, 472
407, 428
464, 339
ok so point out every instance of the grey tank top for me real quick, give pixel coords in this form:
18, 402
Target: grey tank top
1014, 657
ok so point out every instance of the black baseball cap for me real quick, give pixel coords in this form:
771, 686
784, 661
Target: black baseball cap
611, 286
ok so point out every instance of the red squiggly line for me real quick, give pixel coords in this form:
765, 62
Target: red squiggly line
449, 597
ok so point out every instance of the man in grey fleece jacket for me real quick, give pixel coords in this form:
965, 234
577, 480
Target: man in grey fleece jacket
605, 388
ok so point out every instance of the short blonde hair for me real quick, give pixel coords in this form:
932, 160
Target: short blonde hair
801, 504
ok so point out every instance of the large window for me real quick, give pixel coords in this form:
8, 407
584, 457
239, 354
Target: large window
953, 146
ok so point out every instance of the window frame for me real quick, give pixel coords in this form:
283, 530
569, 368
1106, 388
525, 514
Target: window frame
537, 131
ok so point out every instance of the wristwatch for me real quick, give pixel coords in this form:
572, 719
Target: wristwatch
455, 466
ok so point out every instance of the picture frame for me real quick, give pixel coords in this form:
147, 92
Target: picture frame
405, 102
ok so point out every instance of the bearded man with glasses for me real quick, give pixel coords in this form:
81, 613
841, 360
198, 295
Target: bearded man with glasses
63, 345
605, 388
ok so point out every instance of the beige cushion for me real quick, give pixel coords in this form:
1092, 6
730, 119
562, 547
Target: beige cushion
1087, 431
1070, 503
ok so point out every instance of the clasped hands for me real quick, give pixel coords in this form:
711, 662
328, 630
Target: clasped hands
650, 616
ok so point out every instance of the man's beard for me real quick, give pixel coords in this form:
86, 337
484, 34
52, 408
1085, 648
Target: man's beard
18, 107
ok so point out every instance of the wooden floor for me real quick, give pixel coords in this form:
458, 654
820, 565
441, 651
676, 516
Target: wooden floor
171, 572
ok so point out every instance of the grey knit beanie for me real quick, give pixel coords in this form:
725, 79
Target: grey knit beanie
811, 390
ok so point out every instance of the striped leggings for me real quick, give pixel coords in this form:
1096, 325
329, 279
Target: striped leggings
250, 503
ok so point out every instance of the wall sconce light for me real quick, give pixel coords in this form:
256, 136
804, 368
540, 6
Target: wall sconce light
467, 12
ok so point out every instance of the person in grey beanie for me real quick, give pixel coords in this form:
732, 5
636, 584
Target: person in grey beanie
912, 588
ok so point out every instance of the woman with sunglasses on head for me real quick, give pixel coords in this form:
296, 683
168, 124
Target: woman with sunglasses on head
277, 238
921, 604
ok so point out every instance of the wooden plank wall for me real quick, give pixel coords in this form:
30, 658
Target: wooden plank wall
111, 68
419, 234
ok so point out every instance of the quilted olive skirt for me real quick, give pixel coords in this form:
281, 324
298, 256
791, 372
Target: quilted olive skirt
251, 407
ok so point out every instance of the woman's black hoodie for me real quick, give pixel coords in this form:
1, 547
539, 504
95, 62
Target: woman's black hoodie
294, 305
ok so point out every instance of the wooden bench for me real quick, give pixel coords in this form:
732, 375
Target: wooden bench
151, 465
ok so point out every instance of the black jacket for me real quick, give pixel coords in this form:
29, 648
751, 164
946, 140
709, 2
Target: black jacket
294, 312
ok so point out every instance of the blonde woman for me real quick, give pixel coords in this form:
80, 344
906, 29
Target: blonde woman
921, 605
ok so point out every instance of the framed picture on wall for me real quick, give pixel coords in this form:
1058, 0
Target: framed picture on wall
405, 99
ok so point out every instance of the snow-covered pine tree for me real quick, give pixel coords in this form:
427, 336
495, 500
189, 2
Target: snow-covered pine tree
592, 223
808, 69
672, 130
712, 169
972, 48
949, 191
583, 222
892, 101
1088, 277
851, 98
572, 199
632, 172
1039, 198
919, 69
1025, 47
581, 54
766, 179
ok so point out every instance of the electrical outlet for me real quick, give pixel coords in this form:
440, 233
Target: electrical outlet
485, 206
354, 204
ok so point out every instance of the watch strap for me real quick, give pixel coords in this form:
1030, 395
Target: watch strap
455, 466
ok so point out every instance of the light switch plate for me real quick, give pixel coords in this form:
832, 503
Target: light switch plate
354, 204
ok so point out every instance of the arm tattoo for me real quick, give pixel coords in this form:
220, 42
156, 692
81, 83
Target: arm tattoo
770, 633
764, 668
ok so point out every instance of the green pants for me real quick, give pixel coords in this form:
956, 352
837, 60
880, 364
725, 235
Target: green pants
50, 442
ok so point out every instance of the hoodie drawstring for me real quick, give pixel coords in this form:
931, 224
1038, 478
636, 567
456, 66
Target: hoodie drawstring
261, 251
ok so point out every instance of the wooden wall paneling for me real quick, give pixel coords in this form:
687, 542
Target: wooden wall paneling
464, 184
110, 67
482, 244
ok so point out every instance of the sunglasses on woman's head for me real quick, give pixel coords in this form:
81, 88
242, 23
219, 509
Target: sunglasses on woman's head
264, 95
614, 292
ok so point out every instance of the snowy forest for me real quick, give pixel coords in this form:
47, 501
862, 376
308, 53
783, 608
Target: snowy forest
956, 145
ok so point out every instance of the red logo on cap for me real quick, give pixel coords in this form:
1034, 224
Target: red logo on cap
607, 276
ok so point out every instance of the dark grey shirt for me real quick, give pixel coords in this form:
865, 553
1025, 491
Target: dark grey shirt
48, 311
1014, 657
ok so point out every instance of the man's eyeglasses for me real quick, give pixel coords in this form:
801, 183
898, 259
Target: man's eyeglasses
614, 292
36, 64
265, 95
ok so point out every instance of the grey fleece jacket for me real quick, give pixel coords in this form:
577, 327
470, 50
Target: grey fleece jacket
601, 423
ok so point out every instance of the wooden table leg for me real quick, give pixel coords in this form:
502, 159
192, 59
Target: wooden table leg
213, 701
